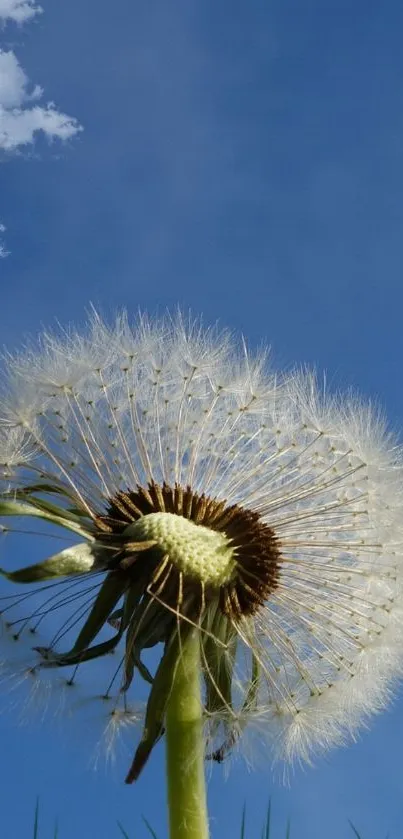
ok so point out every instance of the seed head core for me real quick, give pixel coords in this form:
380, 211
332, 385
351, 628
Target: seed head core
197, 551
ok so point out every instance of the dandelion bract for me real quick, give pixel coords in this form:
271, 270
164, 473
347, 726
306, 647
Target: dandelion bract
200, 492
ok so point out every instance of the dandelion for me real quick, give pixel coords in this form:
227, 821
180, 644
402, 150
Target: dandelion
246, 527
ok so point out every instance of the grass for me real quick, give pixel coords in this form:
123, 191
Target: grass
36, 823
265, 834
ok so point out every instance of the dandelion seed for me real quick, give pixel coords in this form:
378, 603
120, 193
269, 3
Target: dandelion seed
208, 495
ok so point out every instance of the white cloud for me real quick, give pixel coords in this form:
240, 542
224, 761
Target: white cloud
14, 82
19, 121
3, 250
18, 10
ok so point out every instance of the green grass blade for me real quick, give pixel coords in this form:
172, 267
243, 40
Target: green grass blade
243, 822
123, 832
355, 831
266, 828
288, 834
149, 828
36, 819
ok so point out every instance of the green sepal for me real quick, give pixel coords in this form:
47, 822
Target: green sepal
218, 663
55, 510
112, 589
43, 486
147, 628
79, 559
156, 706
249, 703
110, 593
49, 512
53, 659
75, 511
31, 491
218, 669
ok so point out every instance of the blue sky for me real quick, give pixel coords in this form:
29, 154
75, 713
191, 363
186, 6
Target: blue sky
244, 160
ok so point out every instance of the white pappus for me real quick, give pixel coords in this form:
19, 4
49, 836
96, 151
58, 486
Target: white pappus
206, 492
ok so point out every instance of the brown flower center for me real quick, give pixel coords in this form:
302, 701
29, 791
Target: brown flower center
255, 548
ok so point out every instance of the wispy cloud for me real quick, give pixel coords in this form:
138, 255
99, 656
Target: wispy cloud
18, 10
3, 250
20, 119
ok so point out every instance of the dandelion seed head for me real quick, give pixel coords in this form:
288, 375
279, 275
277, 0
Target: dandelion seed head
210, 492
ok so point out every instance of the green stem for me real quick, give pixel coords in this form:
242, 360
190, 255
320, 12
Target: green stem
187, 804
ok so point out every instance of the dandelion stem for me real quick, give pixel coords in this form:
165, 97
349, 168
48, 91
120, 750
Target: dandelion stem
185, 749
